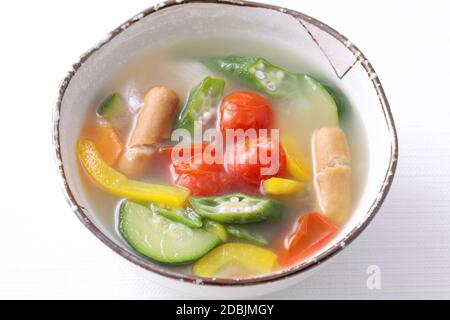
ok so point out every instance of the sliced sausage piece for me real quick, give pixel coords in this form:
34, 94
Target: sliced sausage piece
330, 148
155, 119
135, 162
154, 123
333, 187
332, 173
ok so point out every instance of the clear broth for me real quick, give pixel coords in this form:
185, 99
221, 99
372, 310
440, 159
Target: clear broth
177, 66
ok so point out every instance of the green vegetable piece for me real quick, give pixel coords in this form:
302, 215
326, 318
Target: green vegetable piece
186, 216
217, 228
244, 235
161, 239
256, 73
113, 107
201, 103
236, 208
261, 75
340, 99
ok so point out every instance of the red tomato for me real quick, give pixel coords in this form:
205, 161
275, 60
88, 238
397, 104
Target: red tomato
198, 162
205, 183
249, 159
180, 150
245, 110
201, 174
312, 231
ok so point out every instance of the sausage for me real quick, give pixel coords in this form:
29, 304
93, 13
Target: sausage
154, 123
135, 161
332, 173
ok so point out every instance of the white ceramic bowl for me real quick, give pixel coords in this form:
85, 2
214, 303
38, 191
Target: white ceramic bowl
341, 61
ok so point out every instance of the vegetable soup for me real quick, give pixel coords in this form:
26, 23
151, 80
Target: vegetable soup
221, 157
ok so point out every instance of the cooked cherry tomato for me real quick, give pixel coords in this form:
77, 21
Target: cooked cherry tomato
312, 231
198, 162
201, 173
198, 158
245, 110
252, 157
205, 183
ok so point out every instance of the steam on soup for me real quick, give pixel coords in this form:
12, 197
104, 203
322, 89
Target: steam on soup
225, 166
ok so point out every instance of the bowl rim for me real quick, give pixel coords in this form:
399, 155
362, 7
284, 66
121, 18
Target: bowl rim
161, 270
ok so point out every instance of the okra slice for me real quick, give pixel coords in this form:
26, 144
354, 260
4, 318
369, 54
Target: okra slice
261, 75
201, 104
241, 234
186, 216
257, 73
236, 208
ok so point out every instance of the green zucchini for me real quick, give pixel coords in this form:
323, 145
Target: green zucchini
161, 239
113, 107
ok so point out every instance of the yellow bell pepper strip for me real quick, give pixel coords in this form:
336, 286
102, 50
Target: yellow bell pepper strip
297, 168
253, 258
281, 187
116, 183
296, 165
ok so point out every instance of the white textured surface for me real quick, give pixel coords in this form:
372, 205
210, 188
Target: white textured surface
45, 252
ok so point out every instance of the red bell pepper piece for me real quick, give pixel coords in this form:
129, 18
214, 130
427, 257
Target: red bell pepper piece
312, 231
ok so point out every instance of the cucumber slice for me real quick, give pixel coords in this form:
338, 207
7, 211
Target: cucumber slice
161, 239
186, 216
241, 234
113, 107
236, 208
319, 98
339, 98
